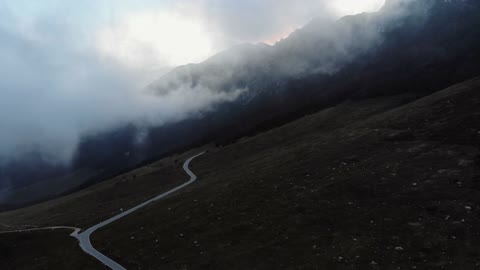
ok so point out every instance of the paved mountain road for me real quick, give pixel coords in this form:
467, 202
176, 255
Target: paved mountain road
84, 237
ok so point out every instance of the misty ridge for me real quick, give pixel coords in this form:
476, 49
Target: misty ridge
95, 123
102, 95
322, 47
93, 95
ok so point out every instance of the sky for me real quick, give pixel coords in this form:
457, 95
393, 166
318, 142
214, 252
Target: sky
72, 67
171, 33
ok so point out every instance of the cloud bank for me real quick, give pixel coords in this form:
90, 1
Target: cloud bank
52, 92
75, 68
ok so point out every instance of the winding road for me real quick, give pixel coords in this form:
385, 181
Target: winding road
84, 237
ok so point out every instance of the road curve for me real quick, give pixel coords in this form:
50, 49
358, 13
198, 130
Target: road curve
84, 237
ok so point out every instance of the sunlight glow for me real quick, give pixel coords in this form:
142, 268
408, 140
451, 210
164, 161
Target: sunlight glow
278, 37
150, 38
351, 7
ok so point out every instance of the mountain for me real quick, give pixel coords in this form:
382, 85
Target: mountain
364, 181
408, 47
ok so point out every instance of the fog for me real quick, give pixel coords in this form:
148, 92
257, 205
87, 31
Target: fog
52, 92
323, 46
58, 84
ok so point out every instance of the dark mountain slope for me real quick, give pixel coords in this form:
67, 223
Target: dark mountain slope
417, 47
398, 189
365, 184
409, 47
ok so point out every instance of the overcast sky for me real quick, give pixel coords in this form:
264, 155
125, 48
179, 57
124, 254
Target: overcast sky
168, 32
69, 67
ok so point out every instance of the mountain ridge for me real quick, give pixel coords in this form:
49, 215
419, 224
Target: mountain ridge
412, 55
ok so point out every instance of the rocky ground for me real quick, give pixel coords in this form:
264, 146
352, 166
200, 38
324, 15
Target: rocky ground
394, 190
370, 184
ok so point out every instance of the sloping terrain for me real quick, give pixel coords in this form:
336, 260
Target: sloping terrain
372, 184
56, 249
398, 190
43, 250
102, 201
409, 46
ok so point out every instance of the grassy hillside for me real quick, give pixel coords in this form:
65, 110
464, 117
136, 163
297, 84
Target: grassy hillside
371, 184
396, 190
44, 251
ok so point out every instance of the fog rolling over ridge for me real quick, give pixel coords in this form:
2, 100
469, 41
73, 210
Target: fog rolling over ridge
74, 113
54, 92
322, 47
63, 77
59, 82
52, 95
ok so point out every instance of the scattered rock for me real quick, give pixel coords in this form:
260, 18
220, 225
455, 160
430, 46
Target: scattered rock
465, 163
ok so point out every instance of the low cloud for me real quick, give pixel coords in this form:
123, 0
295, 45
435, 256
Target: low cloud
53, 91
68, 69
